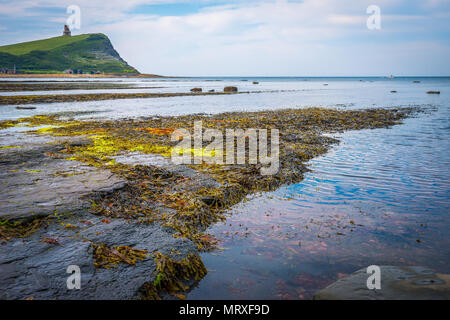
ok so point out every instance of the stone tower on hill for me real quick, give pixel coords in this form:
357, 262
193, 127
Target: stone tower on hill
66, 32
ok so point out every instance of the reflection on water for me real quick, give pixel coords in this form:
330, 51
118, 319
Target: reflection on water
380, 197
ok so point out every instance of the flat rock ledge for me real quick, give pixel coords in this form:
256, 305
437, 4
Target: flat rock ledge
33, 269
36, 182
397, 283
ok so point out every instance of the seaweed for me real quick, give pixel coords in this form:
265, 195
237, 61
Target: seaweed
108, 257
51, 98
172, 276
21, 229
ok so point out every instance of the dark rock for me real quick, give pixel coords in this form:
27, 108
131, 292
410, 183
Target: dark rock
397, 283
433, 92
230, 89
25, 108
255, 82
195, 90
394, 91
79, 143
111, 188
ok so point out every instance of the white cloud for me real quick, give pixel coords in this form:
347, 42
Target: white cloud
258, 37
288, 38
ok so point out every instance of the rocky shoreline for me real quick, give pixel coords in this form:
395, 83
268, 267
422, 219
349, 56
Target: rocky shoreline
16, 86
103, 195
81, 76
51, 98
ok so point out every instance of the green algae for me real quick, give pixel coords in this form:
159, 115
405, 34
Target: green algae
33, 171
173, 275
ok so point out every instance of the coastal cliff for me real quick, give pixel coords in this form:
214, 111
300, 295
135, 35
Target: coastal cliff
91, 53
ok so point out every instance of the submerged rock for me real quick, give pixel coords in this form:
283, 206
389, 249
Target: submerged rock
25, 108
397, 283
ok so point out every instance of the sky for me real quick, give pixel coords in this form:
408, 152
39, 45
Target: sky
252, 38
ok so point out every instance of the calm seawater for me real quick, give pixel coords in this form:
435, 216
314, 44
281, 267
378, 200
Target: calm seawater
379, 197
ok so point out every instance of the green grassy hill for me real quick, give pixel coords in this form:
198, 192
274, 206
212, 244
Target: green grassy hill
87, 52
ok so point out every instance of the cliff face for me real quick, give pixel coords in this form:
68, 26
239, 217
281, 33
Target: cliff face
88, 52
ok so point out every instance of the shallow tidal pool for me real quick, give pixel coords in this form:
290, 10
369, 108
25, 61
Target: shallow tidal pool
379, 197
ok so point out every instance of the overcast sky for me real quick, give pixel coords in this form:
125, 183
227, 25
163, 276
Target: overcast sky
252, 38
